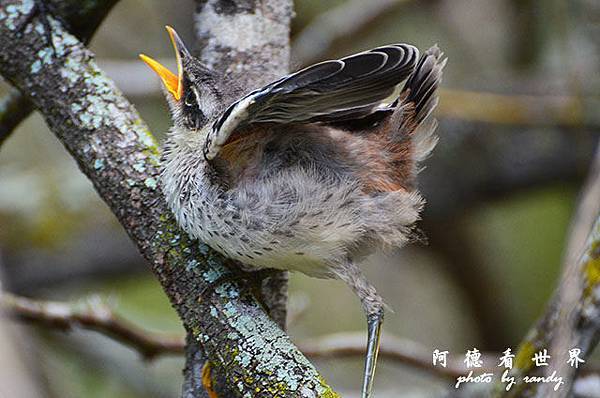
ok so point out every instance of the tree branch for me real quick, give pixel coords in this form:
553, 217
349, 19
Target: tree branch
393, 348
249, 44
578, 323
572, 319
91, 314
83, 22
95, 315
14, 108
114, 148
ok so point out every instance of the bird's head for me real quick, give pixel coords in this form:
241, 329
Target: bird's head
192, 93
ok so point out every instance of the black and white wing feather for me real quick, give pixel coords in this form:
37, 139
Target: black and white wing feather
347, 88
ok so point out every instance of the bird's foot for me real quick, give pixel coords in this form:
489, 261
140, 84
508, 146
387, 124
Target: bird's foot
374, 323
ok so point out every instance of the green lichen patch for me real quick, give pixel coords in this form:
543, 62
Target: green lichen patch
98, 164
592, 268
524, 355
44, 58
150, 182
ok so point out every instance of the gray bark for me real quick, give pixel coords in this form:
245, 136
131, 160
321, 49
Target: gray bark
83, 20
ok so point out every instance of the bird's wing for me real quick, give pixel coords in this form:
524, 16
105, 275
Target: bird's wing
347, 88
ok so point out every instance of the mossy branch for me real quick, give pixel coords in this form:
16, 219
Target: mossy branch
115, 149
83, 20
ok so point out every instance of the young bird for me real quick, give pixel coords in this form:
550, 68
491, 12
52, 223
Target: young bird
310, 173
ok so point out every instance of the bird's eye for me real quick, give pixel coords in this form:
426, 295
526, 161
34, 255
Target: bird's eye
190, 99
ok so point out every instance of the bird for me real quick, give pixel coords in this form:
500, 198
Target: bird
312, 172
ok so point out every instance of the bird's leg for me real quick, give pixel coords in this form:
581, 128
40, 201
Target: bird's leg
374, 323
373, 306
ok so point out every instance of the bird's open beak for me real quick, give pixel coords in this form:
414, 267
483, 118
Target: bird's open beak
172, 82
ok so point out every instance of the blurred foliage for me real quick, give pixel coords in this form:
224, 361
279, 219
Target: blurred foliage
520, 243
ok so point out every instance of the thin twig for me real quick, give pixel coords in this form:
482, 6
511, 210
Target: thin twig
14, 108
92, 314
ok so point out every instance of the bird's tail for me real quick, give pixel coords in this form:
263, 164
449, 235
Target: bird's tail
411, 127
420, 88
418, 100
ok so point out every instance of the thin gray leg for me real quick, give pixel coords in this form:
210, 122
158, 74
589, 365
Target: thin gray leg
374, 324
373, 306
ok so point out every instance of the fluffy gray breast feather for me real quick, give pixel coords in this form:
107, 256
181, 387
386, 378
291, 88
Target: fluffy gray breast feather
348, 88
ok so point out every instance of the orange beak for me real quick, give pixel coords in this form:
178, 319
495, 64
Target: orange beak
172, 82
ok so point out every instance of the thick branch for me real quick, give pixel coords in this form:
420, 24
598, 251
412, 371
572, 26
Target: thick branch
114, 148
83, 21
248, 42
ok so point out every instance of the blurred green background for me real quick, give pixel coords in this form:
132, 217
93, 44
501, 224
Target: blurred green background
501, 195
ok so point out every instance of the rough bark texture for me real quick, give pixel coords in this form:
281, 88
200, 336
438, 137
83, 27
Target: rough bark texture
192, 374
114, 148
83, 18
248, 40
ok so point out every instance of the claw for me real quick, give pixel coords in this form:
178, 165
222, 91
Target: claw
374, 323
